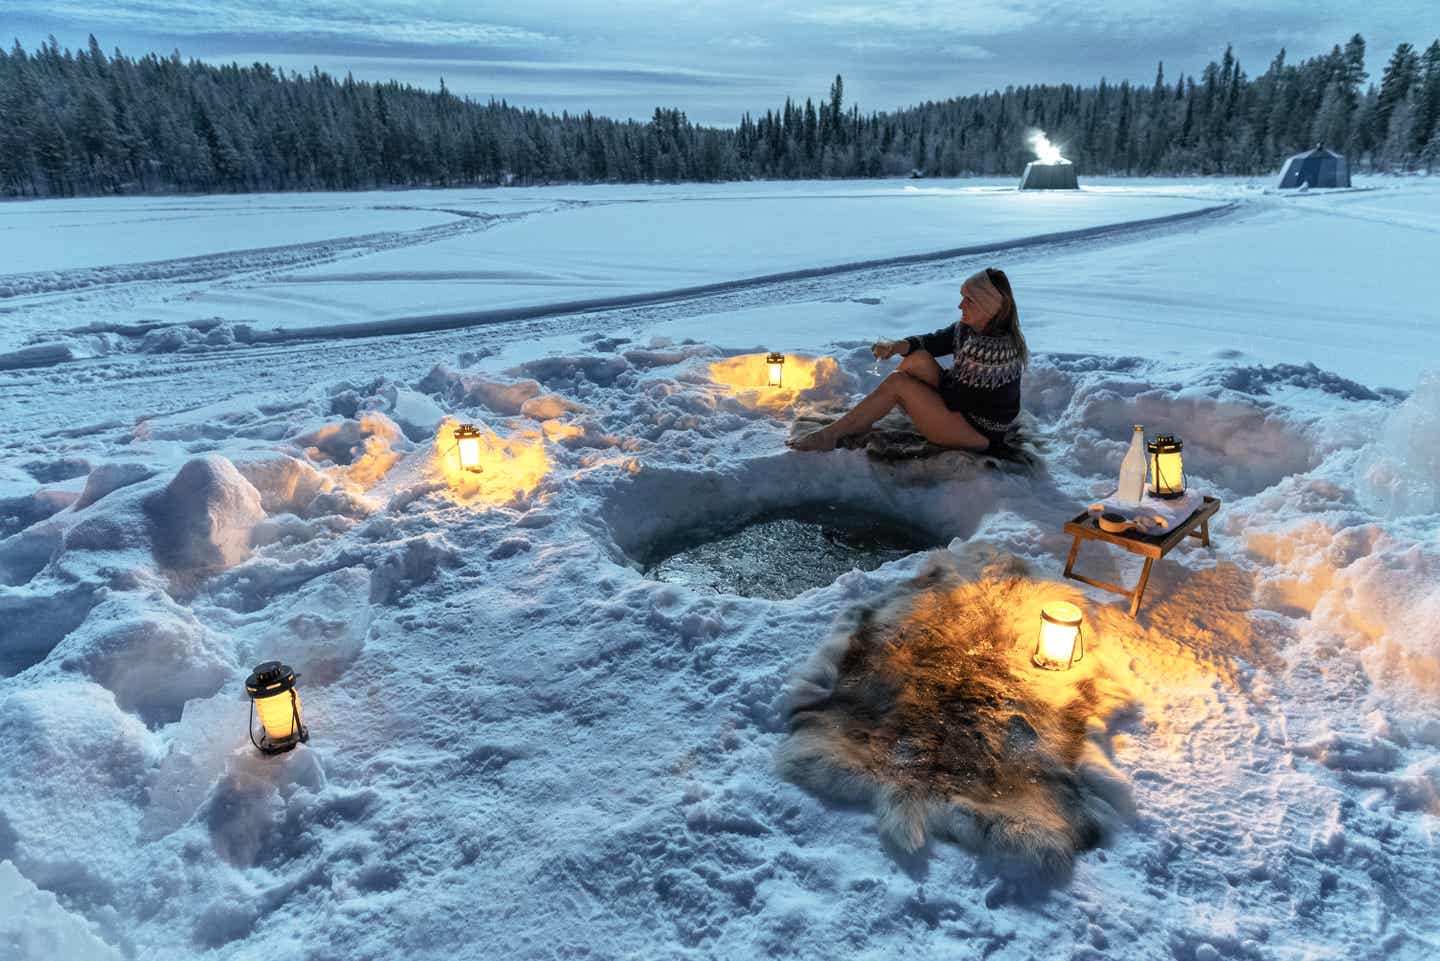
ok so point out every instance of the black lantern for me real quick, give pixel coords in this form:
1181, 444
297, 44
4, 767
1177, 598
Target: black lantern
467, 443
1167, 473
776, 365
273, 696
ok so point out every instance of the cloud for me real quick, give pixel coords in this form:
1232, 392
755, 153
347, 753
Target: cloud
948, 51
319, 21
980, 18
748, 42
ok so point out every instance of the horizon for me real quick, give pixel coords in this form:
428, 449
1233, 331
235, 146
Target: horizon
892, 56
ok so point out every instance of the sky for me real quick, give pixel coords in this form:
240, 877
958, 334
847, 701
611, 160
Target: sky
715, 60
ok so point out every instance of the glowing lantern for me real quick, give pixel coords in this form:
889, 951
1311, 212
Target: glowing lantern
1167, 474
273, 696
467, 442
1060, 643
776, 363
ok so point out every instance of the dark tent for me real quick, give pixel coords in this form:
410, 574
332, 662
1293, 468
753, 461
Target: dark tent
1315, 168
1041, 176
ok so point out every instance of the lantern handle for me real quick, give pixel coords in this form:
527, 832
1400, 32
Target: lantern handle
250, 728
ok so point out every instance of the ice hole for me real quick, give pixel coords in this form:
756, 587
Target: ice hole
779, 525
783, 553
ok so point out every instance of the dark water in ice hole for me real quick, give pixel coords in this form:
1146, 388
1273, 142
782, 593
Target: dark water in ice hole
784, 553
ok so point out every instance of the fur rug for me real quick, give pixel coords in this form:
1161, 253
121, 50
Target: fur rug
926, 706
894, 438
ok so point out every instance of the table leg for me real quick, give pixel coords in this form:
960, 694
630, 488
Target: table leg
1205, 532
1139, 591
1070, 562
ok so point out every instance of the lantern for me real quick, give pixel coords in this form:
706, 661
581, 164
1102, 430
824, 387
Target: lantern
1060, 643
1167, 475
273, 696
776, 363
467, 442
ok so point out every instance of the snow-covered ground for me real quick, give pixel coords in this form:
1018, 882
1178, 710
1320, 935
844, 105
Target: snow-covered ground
521, 746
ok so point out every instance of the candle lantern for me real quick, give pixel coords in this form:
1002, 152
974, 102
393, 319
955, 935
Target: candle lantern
273, 696
467, 442
1167, 474
776, 364
1061, 642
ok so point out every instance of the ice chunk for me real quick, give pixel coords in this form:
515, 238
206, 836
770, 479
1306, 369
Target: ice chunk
208, 732
503, 398
548, 407
201, 521
1400, 474
417, 415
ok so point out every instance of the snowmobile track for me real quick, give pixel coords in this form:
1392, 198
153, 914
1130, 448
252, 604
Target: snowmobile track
408, 347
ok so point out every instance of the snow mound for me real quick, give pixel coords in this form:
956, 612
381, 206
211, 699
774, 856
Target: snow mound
201, 521
85, 756
285, 484
362, 450
25, 554
926, 707
320, 631
108, 478
33, 621
34, 926
18, 513
150, 653
1388, 601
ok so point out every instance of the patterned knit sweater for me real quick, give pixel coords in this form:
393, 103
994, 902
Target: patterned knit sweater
984, 382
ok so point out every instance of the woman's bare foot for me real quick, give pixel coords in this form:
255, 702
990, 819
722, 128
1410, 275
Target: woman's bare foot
817, 440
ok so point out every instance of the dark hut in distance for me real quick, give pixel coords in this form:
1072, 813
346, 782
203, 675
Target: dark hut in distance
1043, 176
1315, 168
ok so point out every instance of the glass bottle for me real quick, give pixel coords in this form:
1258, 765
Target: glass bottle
1132, 470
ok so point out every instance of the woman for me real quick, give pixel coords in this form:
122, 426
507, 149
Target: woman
970, 405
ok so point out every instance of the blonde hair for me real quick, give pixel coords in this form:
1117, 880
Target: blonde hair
1007, 318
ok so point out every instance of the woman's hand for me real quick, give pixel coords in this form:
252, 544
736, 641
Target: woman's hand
885, 349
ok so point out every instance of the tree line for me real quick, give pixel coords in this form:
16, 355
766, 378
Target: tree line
83, 123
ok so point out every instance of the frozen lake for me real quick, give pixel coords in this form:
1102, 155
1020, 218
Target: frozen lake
228, 439
87, 278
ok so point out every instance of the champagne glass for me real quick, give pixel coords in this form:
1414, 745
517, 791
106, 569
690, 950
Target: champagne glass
875, 363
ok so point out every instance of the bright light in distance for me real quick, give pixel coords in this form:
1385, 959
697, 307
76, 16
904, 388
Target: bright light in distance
1044, 149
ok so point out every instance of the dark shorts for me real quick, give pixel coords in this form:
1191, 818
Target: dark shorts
995, 437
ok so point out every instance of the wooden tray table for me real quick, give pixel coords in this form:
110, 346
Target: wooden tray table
1084, 528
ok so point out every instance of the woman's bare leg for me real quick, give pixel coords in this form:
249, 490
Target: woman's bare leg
917, 396
919, 364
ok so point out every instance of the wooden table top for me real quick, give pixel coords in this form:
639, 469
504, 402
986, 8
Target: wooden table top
1148, 545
